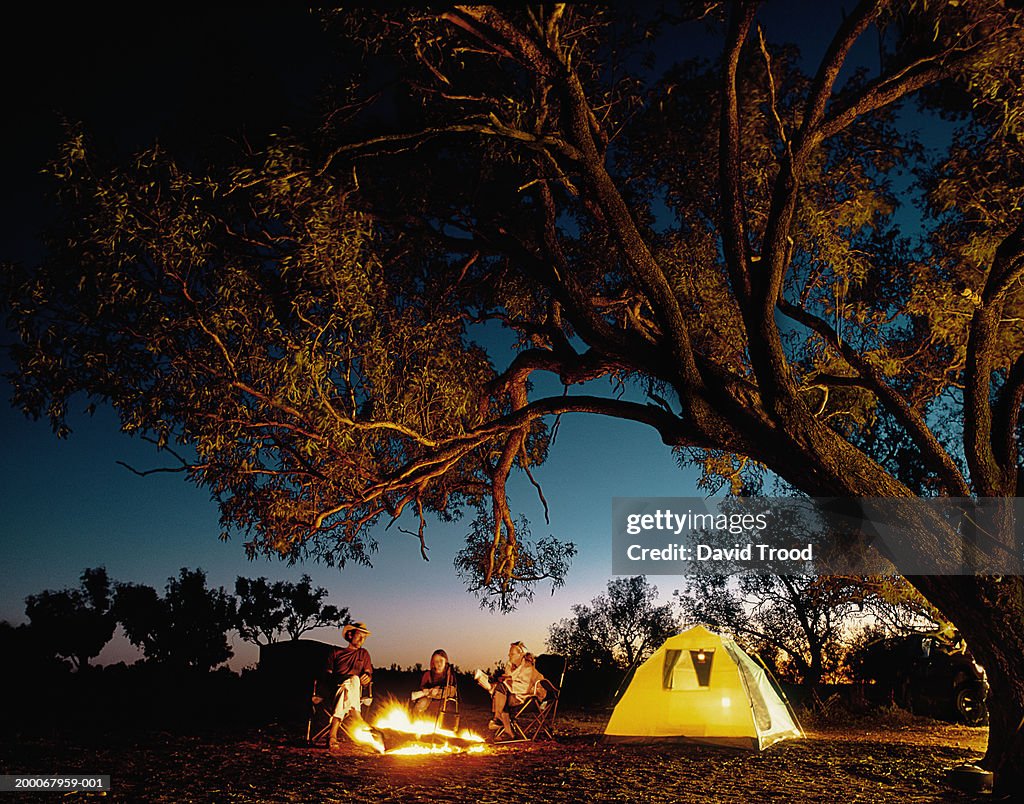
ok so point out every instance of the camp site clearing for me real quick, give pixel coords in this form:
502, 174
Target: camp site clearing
893, 758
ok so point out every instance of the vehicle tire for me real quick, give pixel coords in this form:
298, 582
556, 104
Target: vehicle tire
969, 705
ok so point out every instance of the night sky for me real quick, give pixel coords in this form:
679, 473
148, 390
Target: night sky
191, 80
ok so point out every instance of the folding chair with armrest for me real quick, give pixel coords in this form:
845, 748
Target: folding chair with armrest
447, 703
533, 718
320, 714
322, 709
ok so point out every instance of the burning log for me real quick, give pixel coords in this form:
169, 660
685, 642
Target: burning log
394, 740
395, 733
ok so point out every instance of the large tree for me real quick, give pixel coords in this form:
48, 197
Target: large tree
724, 237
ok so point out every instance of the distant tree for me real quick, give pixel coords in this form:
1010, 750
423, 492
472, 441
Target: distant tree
144, 618
619, 628
889, 603
800, 624
306, 608
74, 623
261, 611
23, 641
794, 621
187, 628
266, 610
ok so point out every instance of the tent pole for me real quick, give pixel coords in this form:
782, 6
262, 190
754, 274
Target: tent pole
623, 685
778, 689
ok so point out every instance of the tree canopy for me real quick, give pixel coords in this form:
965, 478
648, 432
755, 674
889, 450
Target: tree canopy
187, 628
74, 623
729, 238
618, 629
266, 609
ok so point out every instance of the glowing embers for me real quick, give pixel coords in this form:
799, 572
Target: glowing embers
396, 733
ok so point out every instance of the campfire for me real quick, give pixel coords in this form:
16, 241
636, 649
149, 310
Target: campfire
394, 732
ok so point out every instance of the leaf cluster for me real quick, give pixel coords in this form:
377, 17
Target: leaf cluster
186, 628
618, 629
266, 609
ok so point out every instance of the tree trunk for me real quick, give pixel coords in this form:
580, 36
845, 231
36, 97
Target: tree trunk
812, 678
989, 612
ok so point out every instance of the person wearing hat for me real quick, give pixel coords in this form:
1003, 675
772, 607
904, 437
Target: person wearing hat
520, 680
352, 669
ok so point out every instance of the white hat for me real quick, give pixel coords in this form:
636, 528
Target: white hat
346, 630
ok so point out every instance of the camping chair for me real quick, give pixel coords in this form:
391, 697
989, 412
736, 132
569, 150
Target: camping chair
320, 714
533, 718
447, 706
448, 710
321, 711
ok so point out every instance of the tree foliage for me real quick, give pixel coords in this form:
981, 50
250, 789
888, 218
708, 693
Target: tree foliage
618, 629
729, 239
74, 623
187, 628
796, 623
265, 609
261, 611
801, 625
250, 318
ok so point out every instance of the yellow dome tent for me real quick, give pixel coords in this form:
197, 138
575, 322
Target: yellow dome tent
702, 687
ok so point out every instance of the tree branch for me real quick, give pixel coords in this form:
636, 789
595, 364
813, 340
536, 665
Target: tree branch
992, 478
767, 355
580, 134
832, 62
734, 234
940, 461
147, 472
396, 143
673, 431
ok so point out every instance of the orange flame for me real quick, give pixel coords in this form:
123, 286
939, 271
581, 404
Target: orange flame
396, 718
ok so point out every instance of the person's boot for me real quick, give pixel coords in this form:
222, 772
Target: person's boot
332, 738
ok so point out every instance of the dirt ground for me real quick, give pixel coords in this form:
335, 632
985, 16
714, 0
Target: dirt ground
873, 761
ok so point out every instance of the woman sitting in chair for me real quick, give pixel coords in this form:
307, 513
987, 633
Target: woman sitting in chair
519, 681
436, 684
